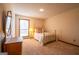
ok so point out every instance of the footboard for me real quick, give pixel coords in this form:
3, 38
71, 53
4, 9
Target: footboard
44, 38
48, 39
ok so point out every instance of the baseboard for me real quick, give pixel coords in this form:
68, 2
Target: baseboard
68, 43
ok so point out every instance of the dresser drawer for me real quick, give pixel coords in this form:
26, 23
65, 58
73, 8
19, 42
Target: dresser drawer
14, 48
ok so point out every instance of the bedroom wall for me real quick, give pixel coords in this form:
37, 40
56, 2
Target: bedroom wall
66, 25
34, 23
1, 11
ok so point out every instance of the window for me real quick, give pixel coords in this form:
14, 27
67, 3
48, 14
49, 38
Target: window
24, 27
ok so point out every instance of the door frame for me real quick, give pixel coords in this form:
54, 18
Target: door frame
28, 26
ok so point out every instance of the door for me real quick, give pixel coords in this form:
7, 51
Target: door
24, 28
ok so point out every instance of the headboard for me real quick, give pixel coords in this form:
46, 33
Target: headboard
39, 30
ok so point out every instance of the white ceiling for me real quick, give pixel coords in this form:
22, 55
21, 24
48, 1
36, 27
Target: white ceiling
32, 9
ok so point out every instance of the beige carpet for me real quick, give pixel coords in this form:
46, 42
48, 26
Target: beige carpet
33, 47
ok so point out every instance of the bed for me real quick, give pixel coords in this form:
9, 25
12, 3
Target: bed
44, 37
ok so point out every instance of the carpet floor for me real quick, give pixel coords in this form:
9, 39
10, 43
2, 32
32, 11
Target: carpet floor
33, 47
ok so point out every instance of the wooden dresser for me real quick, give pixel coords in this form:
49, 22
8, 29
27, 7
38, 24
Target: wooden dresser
13, 47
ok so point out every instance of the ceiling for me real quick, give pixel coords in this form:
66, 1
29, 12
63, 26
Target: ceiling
32, 9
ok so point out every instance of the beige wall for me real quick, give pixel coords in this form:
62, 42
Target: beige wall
66, 25
34, 23
1, 10
0, 21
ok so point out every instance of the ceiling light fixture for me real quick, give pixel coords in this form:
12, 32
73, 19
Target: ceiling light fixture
41, 10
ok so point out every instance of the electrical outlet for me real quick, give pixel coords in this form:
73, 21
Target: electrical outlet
74, 40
